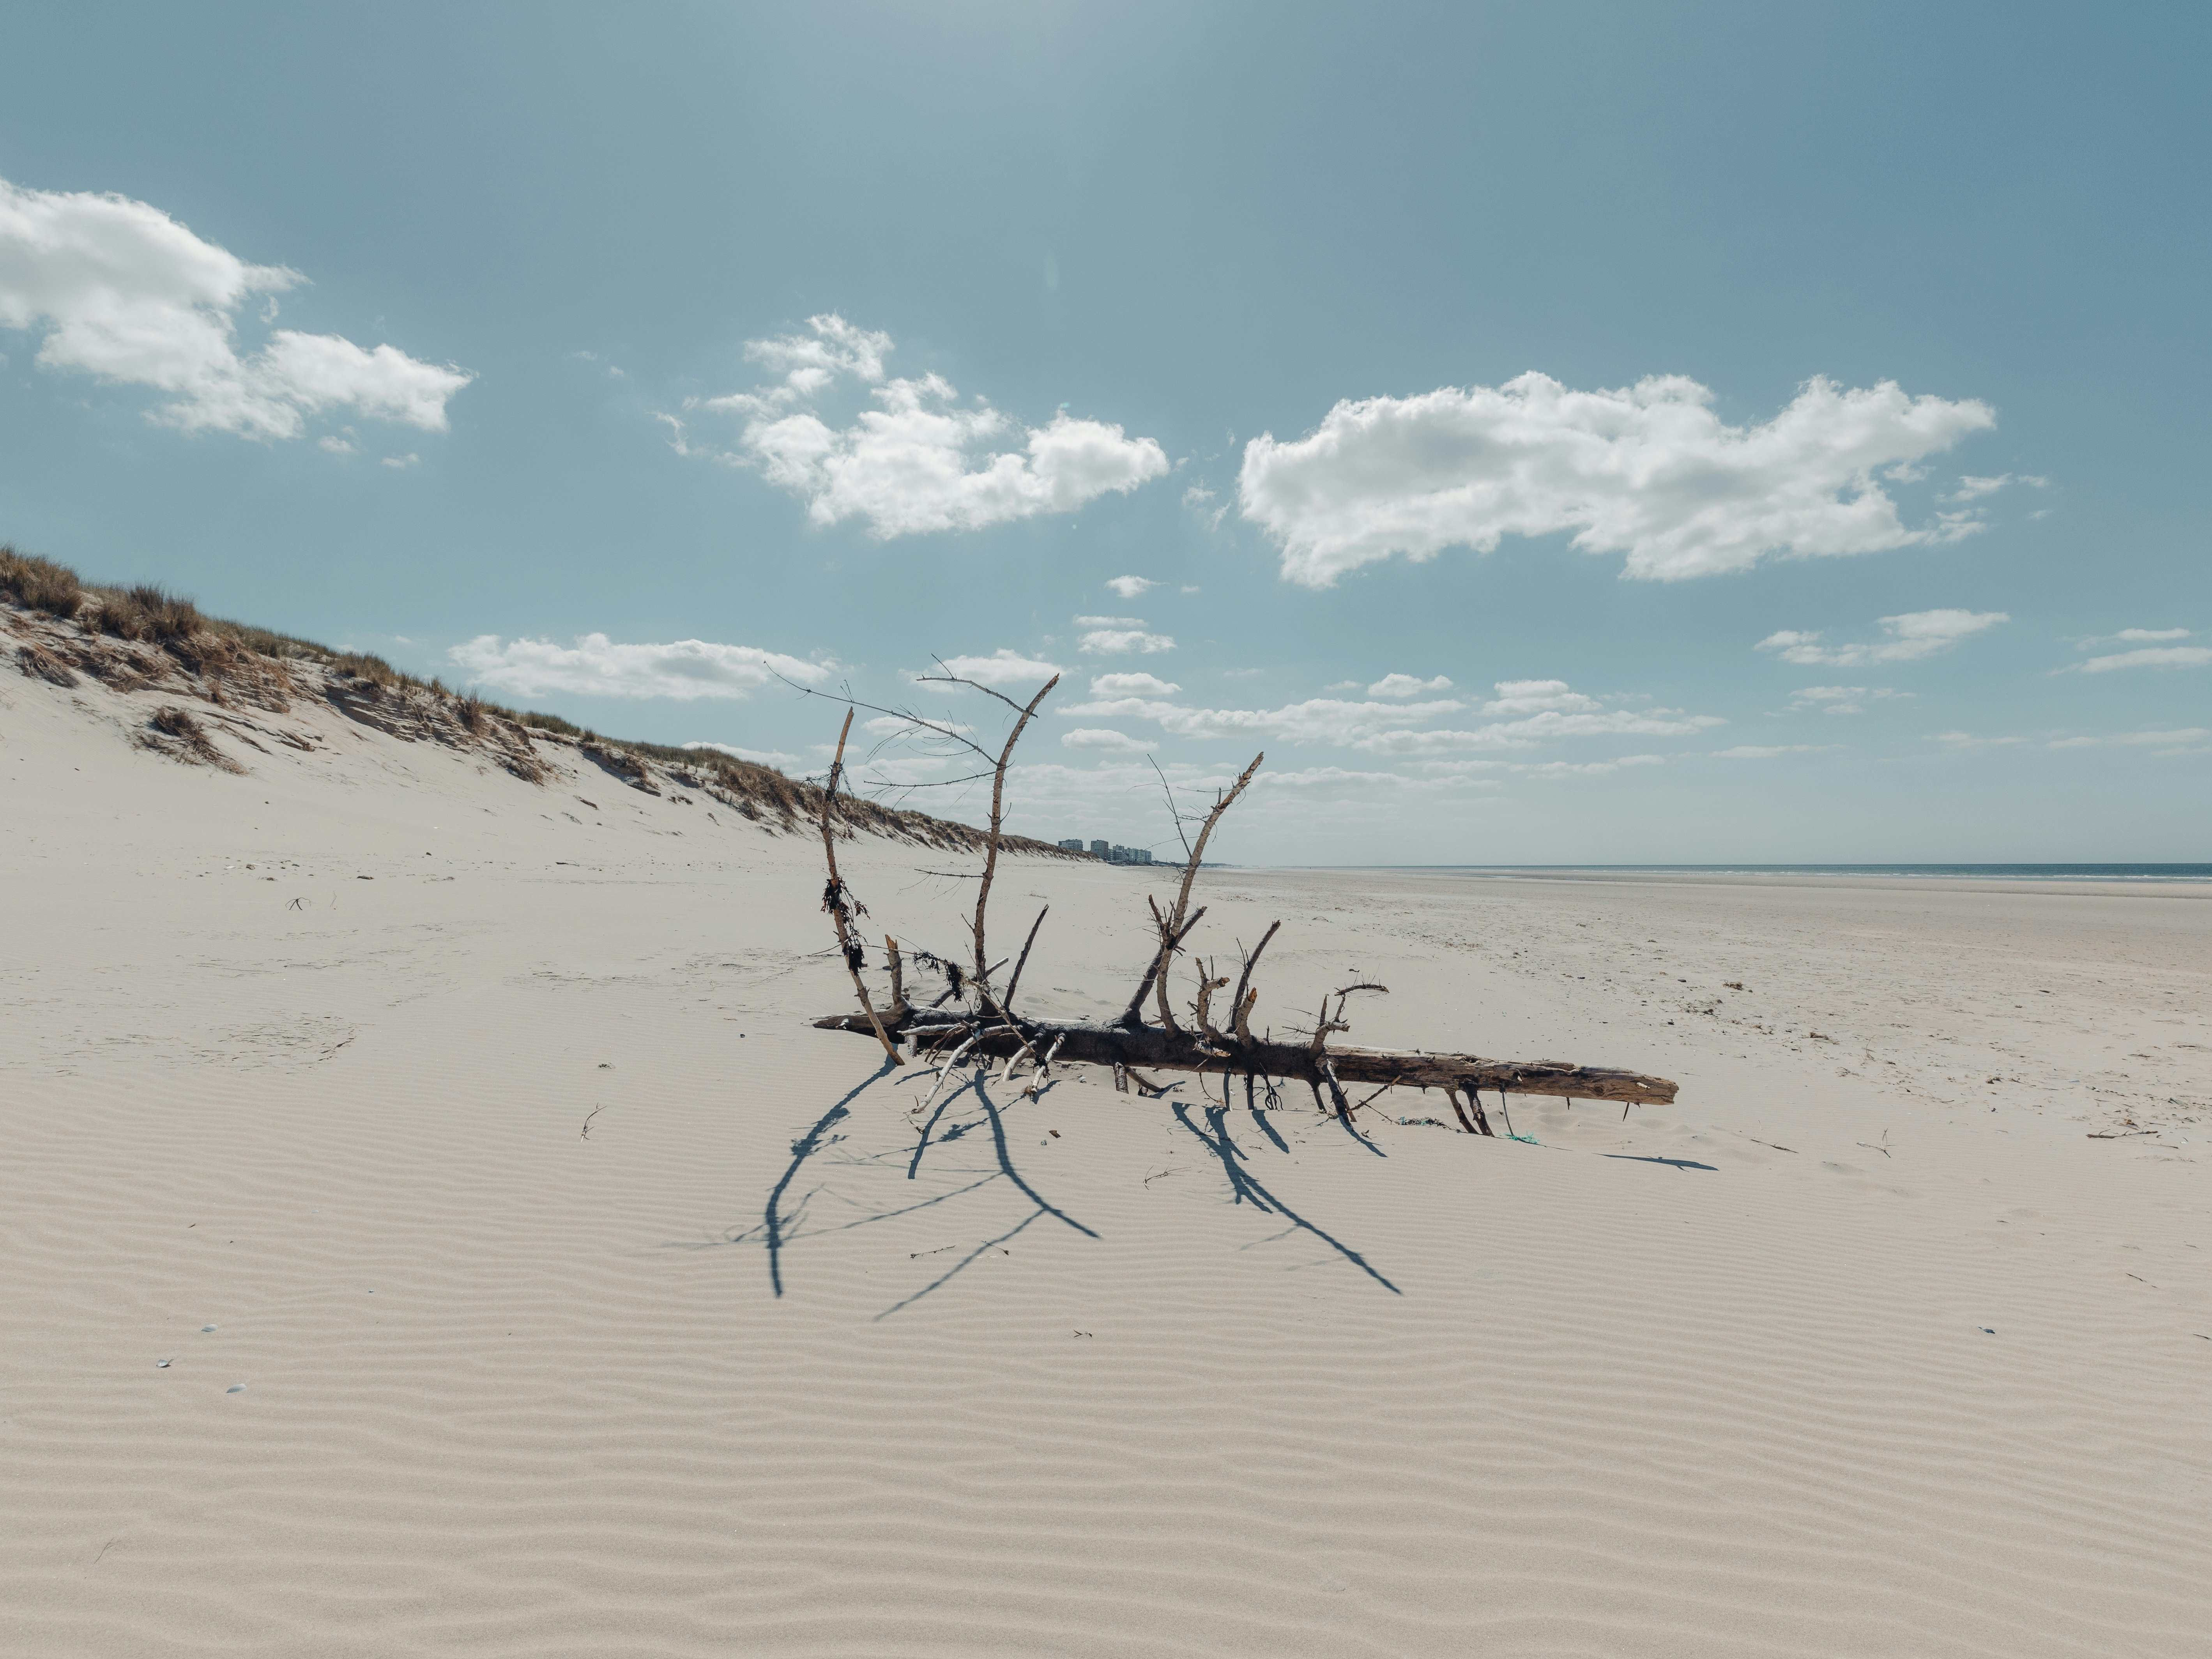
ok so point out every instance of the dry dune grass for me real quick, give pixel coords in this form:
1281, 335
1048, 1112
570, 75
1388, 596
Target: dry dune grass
144, 637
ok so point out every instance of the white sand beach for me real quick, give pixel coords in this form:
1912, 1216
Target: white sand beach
432, 1226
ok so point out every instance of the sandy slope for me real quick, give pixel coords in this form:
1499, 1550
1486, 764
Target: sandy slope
1854, 1351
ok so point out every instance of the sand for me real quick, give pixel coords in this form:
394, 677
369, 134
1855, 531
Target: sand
1865, 1347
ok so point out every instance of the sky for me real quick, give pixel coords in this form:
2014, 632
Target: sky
1552, 433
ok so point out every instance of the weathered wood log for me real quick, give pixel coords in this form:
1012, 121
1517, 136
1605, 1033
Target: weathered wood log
1154, 1049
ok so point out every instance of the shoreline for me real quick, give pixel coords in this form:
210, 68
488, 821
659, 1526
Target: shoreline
1873, 881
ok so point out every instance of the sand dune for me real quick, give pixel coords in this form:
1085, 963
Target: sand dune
1863, 1348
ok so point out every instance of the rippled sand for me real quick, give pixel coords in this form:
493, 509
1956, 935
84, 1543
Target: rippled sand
1866, 1347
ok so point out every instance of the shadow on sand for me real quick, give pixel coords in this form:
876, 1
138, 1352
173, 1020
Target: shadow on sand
787, 1215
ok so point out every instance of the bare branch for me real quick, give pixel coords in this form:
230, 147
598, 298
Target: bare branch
1240, 1005
998, 816
1024, 960
840, 905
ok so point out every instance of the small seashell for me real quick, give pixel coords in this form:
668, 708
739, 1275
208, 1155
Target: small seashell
235, 1388
161, 1365
204, 1328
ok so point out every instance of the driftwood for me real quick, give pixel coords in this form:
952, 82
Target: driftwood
1157, 1051
982, 1022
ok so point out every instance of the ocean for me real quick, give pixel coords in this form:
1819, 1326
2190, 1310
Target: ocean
2200, 872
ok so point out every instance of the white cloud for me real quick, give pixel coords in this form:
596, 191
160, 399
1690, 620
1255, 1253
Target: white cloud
1540, 728
128, 294
1768, 752
920, 461
1971, 489
1131, 685
408, 459
1535, 696
2168, 740
1112, 743
1132, 587
1649, 471
1968, 740
1405, 685
1002, 667
1119, 641
1108, 622
2161, 656
1590, 768
895, 726
1915, 634
2133, 636
1841, 699
595, 666
336, 445
1385, 727
758, 756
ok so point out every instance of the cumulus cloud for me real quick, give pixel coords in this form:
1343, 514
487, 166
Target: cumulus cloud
595, 666
1535, 696
1915, 634
1649, 471
2157, 656
1003, 667
126, 293
1119, 641
1132, 587
1841, 699
1132, 685
920, 461
1106, 742
1405, 685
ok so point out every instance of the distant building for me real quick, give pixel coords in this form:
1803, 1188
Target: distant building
1111, 854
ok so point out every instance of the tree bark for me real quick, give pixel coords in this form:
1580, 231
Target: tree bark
1181, 1051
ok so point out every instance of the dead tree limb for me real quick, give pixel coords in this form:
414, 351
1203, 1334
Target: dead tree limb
843, 908
982, 1024
1180, 1051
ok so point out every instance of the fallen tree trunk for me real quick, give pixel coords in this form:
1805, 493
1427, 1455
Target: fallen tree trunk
1159, 1050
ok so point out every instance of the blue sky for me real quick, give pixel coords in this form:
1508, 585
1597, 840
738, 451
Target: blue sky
1780, 431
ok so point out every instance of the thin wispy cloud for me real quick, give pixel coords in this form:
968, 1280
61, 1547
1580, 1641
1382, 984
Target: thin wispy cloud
920, 461
596, 666
2133, 636
1650, 472
1406, 729
758, 756
1913, 635
2145, 656
128, 295
2175, 742
1971, 489
1841, 699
